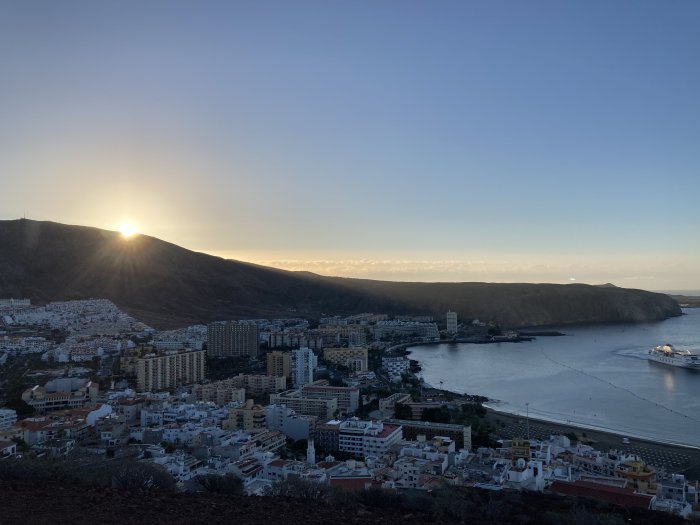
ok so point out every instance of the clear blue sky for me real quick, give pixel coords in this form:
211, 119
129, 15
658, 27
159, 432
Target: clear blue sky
492, 140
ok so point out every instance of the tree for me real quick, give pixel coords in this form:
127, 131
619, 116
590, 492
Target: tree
572, 436
299, 488
403, 411
335, 381
436, 415
21, 407
471, 413
21, 445
365, 409
168, 446
141, 476
226, 484
300, 445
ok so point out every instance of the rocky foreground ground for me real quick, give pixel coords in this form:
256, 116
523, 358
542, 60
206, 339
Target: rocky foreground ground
23, 502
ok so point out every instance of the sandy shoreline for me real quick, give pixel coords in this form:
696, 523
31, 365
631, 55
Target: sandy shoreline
673, 458
584, 428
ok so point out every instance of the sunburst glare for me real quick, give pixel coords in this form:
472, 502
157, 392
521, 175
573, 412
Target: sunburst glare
128, 230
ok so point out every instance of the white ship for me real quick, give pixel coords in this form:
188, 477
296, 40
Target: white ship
668, 355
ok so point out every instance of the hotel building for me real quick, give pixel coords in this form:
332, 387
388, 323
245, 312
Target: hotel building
232, 338
169, 369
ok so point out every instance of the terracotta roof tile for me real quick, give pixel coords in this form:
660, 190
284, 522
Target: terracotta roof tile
617, 495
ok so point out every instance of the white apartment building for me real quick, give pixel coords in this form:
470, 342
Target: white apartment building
323, 408
7, 449
304, 362
413, 329
8, 418
348, 396
25, 345
9, 304
395, 366
285, 420
452, 322
192, 337
367, 438
61, 393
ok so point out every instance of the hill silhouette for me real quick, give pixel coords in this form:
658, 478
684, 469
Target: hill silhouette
168, 286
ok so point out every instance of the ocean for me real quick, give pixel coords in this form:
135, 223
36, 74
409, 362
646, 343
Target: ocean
594, 376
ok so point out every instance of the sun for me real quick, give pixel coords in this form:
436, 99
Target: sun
128, 230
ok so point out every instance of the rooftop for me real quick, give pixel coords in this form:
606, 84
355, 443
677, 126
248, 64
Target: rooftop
425, 424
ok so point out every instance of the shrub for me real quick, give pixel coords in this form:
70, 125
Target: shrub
141, 476
299, 488
226, 484
33, 470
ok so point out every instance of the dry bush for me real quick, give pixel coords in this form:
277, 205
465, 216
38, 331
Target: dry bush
226, 484
141, 476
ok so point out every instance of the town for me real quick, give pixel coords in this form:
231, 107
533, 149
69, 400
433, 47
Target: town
335, 402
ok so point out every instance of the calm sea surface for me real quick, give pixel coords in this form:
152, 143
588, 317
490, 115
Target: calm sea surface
595, 376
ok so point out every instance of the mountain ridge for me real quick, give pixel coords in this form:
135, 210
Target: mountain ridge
169, 286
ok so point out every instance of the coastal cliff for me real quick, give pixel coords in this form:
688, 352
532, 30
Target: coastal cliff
168, 286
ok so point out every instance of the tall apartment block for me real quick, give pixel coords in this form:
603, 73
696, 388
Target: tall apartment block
232, 338
452, 322
169, 369
279, 364
304, 362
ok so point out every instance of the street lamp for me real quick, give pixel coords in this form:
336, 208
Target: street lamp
527, 419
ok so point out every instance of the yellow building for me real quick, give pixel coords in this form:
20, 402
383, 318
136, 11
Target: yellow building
638, 474
129, 360
248, 417
220, 392
354, 358
520, 449
279, 364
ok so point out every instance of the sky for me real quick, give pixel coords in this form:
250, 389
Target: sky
537, 141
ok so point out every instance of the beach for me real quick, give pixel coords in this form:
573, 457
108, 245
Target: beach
676, 459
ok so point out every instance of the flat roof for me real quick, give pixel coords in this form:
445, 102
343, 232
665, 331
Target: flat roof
426, 424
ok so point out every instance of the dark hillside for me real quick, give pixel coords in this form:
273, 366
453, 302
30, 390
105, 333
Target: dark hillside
521, 304
159, 282
169, 286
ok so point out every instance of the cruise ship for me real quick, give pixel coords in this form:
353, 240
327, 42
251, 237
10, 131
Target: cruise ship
668, 355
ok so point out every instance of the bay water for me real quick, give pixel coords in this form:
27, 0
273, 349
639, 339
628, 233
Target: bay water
595, 376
